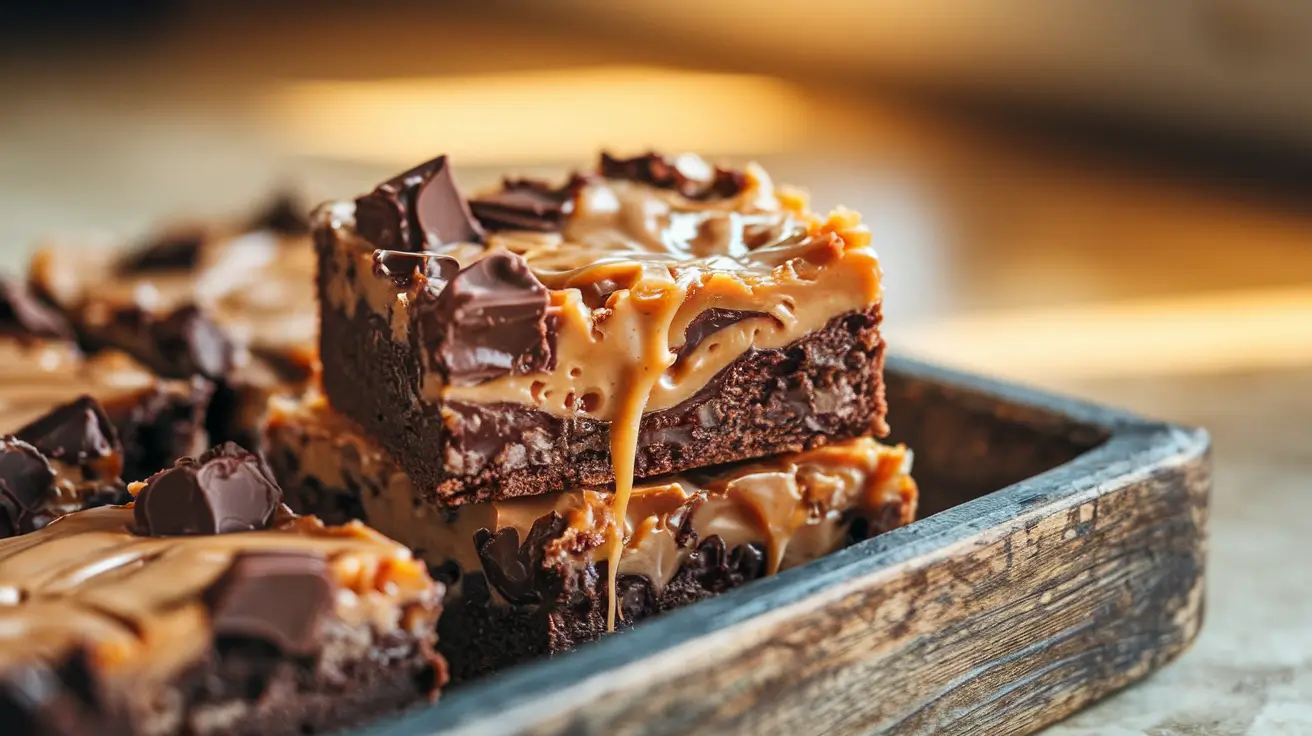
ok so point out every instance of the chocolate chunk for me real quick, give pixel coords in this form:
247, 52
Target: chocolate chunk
284, 216
190, 343
710, 322
527, 204
23, 315
688, 175
513, 568
403, 267
416, 209
490, 321
173, 252
280, 598
60, 700
226, 489
76, 433
25, 475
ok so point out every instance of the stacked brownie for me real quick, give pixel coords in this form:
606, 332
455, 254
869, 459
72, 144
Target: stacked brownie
587, 403
204, 606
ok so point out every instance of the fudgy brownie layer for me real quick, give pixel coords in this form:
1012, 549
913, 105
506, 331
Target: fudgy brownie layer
478, 636
827, 386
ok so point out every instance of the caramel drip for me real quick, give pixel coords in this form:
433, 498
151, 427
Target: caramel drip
652, 308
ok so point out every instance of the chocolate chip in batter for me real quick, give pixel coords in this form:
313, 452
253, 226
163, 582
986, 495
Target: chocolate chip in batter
280, 598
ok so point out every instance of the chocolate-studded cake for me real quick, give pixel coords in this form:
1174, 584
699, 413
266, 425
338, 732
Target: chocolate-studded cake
656, 315
230, 303
206, 608
528, 576
41, 368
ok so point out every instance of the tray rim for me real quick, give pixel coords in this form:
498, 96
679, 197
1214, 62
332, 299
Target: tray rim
1133, 448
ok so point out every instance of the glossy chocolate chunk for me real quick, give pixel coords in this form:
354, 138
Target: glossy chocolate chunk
402, 267
227, 489
190, 343
27, 485
76, 432
513, 568
279, 598
284, 215
527, 204
489, 321
419, 208
710, 322
22, 315
175, 251
61, 700
688, 175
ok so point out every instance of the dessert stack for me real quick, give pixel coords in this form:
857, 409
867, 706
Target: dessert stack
587, 402
573, 405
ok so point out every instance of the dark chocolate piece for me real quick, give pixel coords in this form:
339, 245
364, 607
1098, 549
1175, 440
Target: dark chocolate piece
489, 321
527, 204
193, 344
513, 568
63, 700
279, 598
224, 490
402, 266
710, 322
176, 251
415, 209
26, 477
284, 216
666, 173
77, 433
23, 315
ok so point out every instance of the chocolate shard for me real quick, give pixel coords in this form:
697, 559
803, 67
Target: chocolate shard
77, 432
22, 315
491, 320
284, 215
190, 343
516, 569
688, 175
404, 267
226, 489
527, 204
175, 251
58, 700
280, 598
417, 209
26, 477
710, 322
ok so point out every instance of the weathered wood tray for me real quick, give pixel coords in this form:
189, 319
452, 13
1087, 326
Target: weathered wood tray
1059, 557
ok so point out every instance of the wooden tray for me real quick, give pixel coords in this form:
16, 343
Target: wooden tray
1059, 557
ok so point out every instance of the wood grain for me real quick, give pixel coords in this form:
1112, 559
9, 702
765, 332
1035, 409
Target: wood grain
1065, 561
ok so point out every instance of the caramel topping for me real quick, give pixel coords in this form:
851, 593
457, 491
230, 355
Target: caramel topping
797, 507
140, 602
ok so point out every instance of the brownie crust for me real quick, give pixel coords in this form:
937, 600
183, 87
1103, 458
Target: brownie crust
827, 386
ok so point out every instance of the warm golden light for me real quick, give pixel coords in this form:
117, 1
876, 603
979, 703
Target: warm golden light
1232, 331
539, 117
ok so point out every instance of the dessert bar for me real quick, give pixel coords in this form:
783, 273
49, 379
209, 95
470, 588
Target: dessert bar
528, 576
206, 607
156, 420
233, 304
656, 315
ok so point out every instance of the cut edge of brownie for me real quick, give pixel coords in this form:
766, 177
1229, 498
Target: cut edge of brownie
824, 387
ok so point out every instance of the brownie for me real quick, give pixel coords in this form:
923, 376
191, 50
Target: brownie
232, 303
207, 607
653, 316
529, 576
156, 420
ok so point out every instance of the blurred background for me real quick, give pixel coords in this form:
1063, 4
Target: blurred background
1107, 197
